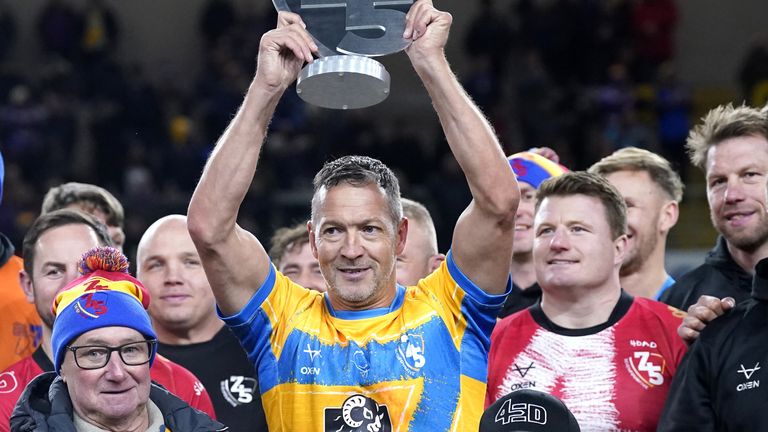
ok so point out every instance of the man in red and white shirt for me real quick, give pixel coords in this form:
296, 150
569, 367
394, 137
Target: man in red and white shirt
610, 357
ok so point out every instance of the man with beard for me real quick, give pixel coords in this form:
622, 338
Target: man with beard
731, 146
652, 191
290, 251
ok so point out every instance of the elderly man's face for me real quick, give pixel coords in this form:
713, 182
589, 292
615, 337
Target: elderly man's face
114, 395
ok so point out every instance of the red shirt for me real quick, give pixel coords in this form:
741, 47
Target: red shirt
613, 377
170, 375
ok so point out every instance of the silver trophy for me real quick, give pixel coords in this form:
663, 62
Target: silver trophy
348, 33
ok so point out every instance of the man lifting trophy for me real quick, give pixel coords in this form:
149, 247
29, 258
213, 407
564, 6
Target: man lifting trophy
348, 33
368, 355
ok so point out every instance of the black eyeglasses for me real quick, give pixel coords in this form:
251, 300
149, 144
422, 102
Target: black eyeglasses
97, 356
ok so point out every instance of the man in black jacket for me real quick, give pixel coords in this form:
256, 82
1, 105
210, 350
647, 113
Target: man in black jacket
731, 146
717, 386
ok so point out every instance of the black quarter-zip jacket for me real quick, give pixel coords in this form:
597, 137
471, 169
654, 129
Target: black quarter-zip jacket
722, 383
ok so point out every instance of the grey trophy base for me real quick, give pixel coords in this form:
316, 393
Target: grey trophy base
343, 82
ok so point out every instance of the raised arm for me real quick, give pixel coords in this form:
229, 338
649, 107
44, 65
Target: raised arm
235, 262
482, 239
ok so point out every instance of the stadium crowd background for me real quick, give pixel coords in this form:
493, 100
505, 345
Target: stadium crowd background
131, 96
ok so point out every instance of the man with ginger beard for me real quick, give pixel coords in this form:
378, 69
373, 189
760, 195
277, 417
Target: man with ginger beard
652, 191
608, 355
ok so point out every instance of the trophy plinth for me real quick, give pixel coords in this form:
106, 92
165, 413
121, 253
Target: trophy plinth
348, 33
343, 82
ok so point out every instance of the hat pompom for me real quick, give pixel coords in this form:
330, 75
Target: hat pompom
103, 258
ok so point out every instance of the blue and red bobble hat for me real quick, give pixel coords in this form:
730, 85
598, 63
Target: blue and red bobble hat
104, 296
534, 168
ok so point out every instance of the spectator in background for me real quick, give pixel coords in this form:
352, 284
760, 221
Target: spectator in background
99, 32
7, 30
103, 366
753, 72
20, 329
531, 170
487, 56
485, 31
652, 191
91, 199
292, 255
23, 119
731, 146
189, 332
609, 356
52, 247
217, 18
59, 27
653, 33
673, 111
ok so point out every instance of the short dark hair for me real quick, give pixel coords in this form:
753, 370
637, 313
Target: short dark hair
593, 185
86, 195
359, 171
56, 219
287, 239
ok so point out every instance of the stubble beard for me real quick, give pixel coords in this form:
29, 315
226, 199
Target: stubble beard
747, 240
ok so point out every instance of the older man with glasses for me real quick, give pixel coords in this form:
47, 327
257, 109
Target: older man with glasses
93, 389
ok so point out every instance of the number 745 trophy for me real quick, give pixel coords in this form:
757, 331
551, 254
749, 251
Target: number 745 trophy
348, 33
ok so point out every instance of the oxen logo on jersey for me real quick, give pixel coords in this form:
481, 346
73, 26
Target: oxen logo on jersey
748, 372
647, 368
410, 352
313, 354
8, 382
238, 390
92, 305
523, 371
358, 414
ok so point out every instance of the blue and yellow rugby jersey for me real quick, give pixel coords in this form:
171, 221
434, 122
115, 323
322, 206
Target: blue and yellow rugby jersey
419, 365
